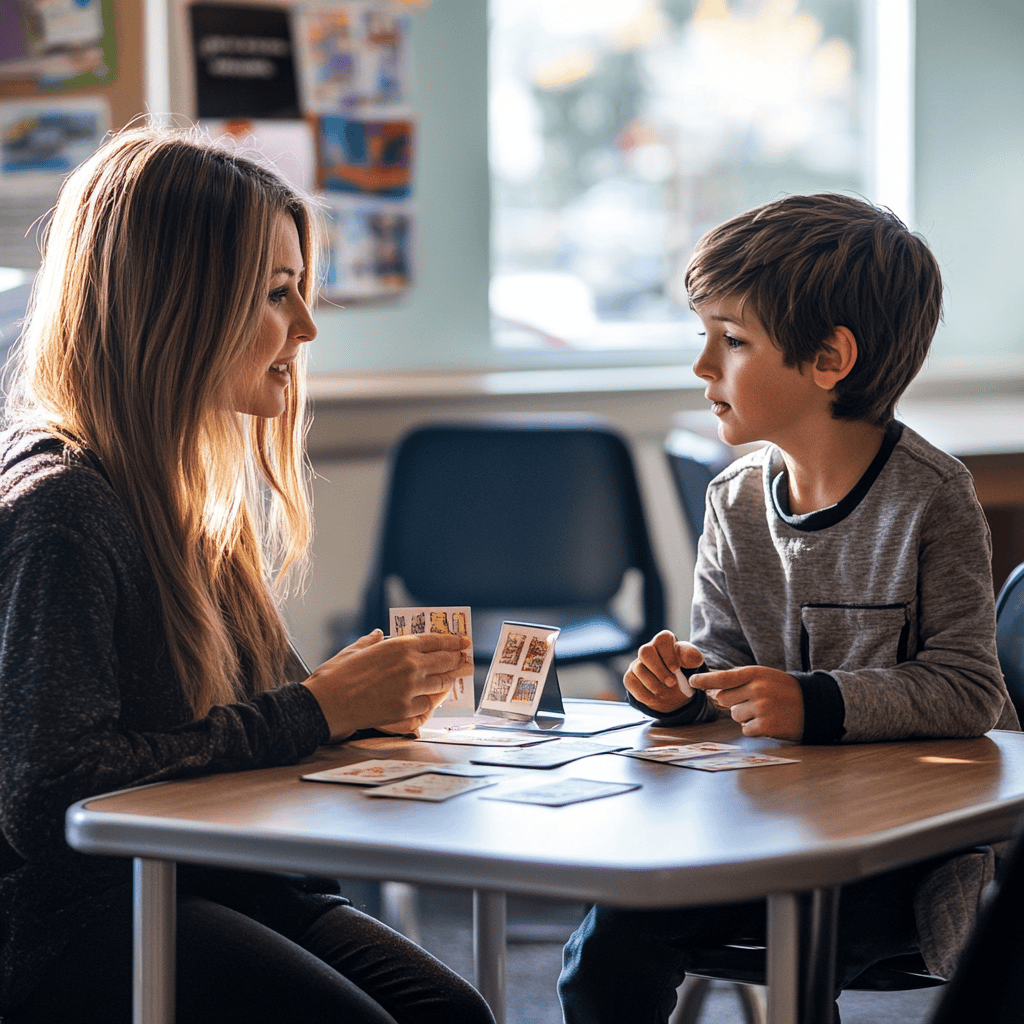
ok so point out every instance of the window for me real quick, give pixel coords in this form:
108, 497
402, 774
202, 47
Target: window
621, 130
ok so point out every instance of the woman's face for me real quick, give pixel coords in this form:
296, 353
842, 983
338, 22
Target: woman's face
260, 387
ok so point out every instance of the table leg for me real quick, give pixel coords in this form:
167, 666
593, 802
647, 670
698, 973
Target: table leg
154, 900
489, 949
801, 956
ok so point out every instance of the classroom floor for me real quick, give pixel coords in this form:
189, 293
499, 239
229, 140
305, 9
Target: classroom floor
445, 920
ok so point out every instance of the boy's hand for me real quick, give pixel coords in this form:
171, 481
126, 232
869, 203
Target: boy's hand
765, 701
651, 678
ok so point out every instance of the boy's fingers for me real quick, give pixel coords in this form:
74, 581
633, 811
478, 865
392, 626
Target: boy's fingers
726, 679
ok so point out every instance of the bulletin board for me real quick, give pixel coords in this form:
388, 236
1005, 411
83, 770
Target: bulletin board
85, 105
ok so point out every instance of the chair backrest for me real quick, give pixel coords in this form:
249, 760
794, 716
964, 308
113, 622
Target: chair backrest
694, 461
1010, 636
502, 514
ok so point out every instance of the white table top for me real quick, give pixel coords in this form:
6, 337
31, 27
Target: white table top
686, 837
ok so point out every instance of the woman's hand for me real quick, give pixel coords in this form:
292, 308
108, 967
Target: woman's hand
652, 679
395, 682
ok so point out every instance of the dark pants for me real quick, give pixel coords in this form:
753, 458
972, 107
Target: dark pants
625, 965
294, 957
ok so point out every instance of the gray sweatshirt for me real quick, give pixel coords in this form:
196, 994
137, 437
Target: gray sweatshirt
881, 606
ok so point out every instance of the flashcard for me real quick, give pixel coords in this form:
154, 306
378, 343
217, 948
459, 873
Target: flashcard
480, 738
680, 753
434, 787
452, 620
372, 773
515, 680
551, 755
730, 762
560, 792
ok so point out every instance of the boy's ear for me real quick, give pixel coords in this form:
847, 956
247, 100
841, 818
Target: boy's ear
836, 358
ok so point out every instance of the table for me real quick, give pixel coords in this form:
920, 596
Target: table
685, 838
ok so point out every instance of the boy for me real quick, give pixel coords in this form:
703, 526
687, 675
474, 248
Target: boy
843, 588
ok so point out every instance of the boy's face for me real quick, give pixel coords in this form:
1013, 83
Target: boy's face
755, 396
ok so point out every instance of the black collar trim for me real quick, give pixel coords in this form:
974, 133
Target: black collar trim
822, 519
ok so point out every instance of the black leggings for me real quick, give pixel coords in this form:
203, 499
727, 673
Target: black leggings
334, 966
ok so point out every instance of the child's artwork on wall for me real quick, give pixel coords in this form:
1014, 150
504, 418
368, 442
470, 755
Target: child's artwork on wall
372, 157
453, 620
371, 246
42, 140
354, 57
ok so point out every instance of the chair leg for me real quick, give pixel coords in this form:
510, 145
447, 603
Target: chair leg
691, 996
694, 992
753, 1004
398, 908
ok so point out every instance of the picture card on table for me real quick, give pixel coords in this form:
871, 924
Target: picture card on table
561, 792
519, 668
480, 738
372, 773
550, 755
454, 620
434, 787
730, 762
680, 753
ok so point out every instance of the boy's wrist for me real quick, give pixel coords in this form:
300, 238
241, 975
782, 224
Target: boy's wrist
824, 708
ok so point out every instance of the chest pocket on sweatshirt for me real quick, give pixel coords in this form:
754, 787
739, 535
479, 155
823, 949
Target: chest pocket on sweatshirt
836, 636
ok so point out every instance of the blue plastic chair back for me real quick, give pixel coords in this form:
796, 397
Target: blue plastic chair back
513, 516
1010, 636
694, 462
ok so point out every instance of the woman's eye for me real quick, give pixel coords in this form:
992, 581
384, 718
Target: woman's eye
278, 295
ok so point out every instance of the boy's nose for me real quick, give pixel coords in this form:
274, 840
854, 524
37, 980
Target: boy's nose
702, 366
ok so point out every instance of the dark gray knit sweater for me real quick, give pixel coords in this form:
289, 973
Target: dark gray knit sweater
89, 701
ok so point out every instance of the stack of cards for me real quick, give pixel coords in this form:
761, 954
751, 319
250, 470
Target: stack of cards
708, 757
449, 620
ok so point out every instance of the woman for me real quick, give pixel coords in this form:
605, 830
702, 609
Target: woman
151, 485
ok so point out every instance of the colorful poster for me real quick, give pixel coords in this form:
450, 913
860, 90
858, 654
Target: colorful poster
373, 157
354, 57
371, 248
62, 44
42, 140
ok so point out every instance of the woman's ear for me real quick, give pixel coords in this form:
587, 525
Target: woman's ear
836, 358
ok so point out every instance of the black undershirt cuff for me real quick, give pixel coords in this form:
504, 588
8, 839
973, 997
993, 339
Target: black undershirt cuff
824, 708
685, 715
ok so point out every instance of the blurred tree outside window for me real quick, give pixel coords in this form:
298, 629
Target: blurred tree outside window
622, 130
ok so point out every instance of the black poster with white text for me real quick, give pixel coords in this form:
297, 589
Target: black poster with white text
244, 62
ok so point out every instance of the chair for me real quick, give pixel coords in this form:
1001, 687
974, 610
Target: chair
537, 521
694, 462
988, 984
1010, 636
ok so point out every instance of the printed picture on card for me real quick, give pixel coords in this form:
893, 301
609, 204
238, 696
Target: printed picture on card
453, 620
515, 680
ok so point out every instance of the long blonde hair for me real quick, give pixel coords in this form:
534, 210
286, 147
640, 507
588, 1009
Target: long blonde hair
154, 278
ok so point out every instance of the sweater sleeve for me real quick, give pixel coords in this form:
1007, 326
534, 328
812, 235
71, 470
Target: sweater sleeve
64, 702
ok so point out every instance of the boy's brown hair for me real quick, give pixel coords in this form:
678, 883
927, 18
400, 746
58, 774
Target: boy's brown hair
809, 264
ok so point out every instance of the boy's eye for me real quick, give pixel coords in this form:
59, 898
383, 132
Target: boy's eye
731, 341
